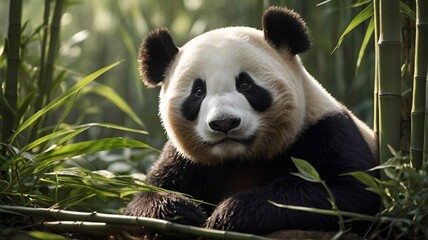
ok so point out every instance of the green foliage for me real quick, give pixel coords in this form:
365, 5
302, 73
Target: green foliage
404, 196
47, 162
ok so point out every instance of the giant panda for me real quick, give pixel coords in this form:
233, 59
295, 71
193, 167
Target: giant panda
237, 104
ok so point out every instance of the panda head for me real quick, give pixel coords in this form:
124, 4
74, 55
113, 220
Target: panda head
231, 93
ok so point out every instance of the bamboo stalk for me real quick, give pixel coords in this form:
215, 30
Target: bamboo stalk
11, 84
150, 223
389, 77
421, 69
376, 73
47, 81
93, 228
42, 68
53, 47
42, 71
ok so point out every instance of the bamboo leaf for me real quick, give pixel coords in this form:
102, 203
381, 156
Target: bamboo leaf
73, 129
369, 181
361, 17
110, 94
306, 171
365, 178
46, 138
76, 87
24, 104
71, 135
407, 11
367, 36
113, 126
76, 149
67, 110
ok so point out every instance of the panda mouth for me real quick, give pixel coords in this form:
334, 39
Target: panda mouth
229, 140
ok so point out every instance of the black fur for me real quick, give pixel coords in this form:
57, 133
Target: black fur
285, 29
258, 97
192, 104
157, 51
242, 189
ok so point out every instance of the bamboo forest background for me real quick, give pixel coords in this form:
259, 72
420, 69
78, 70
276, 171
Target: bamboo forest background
53, 159
94, 34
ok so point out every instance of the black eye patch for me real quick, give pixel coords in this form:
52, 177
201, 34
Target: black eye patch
258, 97
191, 106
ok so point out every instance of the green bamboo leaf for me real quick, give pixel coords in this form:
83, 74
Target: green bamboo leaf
407, 11
110, 94
393, 151
367, 36
361, 17
76, 87
365, 178
71, 136
45, 159
113, 126
24, 104
67, 110
79, 128
46, 138
368, 180
306, 171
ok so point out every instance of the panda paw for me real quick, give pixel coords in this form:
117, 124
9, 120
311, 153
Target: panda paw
240, 214
166, 206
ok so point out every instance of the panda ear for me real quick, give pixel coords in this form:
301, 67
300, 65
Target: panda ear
285, 29
157, 52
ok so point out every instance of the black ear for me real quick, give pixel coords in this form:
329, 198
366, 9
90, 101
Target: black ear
157, 51
285, 29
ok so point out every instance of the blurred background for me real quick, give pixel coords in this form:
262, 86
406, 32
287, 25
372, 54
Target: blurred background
97, 33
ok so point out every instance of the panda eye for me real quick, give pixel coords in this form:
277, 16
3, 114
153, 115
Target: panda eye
199, 92
244, 85
198, 88
244, 82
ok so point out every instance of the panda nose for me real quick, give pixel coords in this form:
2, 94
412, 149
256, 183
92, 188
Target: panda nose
224, 125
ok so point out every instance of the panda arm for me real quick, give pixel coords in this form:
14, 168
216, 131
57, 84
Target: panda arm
169, 172
333, 146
